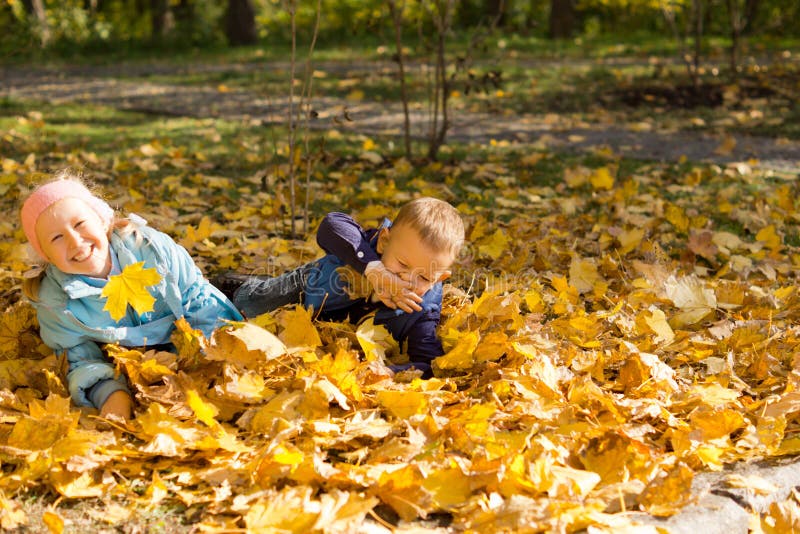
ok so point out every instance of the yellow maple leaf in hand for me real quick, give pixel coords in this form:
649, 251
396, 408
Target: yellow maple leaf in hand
129, 287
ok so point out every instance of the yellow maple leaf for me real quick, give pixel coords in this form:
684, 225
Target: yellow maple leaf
677, 217
494, 245
403, 404
533, 299
203, 410
189, 342
665, 496
402, 490
376, 342
602, 178
12, 515
18, 333
298, 328
769, 237
204, 230
245, 344
583, 274
656, 321
630, 240
726, 147
54, 522
76, 486
461, 356
567, 482
692, 297
781, 517
448, 487
129, 287
286, 511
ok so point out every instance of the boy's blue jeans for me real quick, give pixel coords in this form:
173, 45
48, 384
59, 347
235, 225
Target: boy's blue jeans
262, 294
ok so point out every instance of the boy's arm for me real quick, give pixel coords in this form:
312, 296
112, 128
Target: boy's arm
340, 235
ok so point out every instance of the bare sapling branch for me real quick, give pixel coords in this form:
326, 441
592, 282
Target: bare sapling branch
307, 112
396, 11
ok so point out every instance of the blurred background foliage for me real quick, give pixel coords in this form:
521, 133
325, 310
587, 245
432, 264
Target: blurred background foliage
66, 27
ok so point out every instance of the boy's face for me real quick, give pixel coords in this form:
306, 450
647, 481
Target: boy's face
74, 238
403, 253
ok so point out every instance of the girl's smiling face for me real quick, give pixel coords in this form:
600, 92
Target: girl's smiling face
74, 238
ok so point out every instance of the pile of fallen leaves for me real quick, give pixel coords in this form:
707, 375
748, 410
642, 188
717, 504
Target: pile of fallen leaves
607, 338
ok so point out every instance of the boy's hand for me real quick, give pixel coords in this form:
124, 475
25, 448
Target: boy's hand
390, 289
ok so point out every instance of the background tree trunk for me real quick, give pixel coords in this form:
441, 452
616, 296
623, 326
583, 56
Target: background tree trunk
751, 8
240, 23
562, 19
36, 9
497, 9
160, 18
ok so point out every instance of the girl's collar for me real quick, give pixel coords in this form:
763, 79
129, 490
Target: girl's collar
78, 285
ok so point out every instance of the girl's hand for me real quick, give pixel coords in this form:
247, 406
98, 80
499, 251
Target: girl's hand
390, 289
118, 405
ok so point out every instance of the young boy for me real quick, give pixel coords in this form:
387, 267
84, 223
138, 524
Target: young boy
404, 262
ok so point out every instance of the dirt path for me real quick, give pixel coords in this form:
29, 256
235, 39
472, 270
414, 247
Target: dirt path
117, 86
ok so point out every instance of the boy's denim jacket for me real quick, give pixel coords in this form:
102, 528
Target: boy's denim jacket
348, 244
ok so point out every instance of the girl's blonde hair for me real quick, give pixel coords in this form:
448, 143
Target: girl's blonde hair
123, 228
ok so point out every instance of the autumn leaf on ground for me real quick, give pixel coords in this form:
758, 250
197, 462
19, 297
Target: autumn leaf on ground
129, 287
461, 356
12, 516
583, 274
602, 178
692, 297
54, 522
630, 240
204, 230
677, 217
701, 243
244, 343
769, 237
754, 483
18, 334
494, 245
666, 495
298, 328
782, 517
204, 411
376, 342
189, 342
655, 321
402, 404
726, 147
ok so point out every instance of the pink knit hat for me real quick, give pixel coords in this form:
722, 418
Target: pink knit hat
47, 195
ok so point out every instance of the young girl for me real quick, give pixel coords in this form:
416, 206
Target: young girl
82, 243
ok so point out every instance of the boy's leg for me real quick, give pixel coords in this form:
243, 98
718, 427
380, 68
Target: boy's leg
259, 294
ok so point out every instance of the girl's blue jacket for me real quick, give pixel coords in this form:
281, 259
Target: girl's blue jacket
72, 319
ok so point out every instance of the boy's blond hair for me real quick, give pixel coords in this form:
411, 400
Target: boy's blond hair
437, 223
